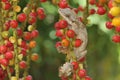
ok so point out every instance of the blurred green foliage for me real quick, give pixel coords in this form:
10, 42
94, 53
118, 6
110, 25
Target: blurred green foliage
103, 59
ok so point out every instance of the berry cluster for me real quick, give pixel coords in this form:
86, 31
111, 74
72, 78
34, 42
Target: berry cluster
69, 42
17, 37
112, 12
73, 68
114, 19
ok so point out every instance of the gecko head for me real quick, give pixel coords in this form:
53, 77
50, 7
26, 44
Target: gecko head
68, 14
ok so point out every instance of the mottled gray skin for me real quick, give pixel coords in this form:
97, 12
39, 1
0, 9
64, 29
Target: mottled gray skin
79, 28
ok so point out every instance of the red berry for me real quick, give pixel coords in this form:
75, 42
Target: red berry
34, 33
63, 24
92, 11
7, 25
27, 35
76, 10
82, 73
70, 33
101, 10
9, 55
110, 4
77, 43
21, 17
32, 20
63, 4
23, 44
43, 0
40, 11
74, 77
4, 0
3, 49
23, 51
109, 25
4, 62
80, 8
42, 16
57, 25
34, 14
22, 64
29, 77
64, 78
92, 2
19, 32
59, 33
110, 16
88, 78
116, 38
75, 65
117, 29
7, 6
13, 23
9, 44
82, 59
58, 44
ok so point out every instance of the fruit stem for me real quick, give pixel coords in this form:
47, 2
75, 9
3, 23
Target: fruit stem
8, 72
16, 56
28, 65
86, 13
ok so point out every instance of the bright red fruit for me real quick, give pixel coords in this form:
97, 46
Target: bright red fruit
22, 64
3, 49
58, 44
116, 38
40, 11
75, 65
4, 62
23, 51
63, 24
82, 73
63, 4
21, 17
7, 25
34, 14
70, 33
92, 2
57, 25
32, 20
42, 16
27, 35
9, 55
74, 77
109, 25
110, 4
13, 23
59, 33
101, 11
19, 32
110, 16
117, 29
34, 33
7, 6
29, 77
92, 11
88, 78
82, 59
4, 0
77, 43
43, 0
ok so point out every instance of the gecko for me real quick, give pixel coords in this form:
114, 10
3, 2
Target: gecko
81, 33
